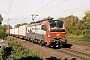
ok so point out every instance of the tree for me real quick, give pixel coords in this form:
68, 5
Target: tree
2, 32
24, 24
70, 20
7, 26
6, 51
86, 23
16, 26
32, 22
46, 18
1, 19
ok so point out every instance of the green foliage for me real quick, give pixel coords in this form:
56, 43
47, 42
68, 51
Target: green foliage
20, 52
7, 26
5, 52
24, 24
16, 26
70, 20
1, 19
2, 29
78, 27
2, 32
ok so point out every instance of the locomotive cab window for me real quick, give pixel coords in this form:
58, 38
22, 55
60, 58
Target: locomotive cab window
43, 27
56, 26
56, 23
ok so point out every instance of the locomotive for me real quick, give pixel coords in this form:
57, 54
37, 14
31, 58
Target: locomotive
51, 33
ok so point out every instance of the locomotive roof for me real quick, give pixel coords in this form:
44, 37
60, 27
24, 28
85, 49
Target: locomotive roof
34, 24
39, 23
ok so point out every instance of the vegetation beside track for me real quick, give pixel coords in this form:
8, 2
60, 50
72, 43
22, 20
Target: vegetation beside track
20, 52
78, 39
78, 30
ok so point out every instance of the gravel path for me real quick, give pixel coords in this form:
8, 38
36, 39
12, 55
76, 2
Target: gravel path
3, 43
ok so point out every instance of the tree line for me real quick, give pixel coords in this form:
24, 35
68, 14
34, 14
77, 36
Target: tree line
78, 27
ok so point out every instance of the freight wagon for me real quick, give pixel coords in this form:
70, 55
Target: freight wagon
16, 33
12, 32
7, 32
22, 31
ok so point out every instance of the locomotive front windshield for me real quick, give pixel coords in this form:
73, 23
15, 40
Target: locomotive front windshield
56, 26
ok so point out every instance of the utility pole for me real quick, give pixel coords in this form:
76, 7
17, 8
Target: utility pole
8, 25
8, 22
34, 16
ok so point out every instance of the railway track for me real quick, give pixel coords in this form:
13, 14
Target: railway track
73, 53
86, 45
76, 54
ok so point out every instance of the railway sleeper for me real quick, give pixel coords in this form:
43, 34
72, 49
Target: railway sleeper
36, 41
29, 39
42, 43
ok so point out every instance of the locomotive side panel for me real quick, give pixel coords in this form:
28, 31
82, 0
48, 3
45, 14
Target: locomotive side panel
35, 33
29, 33
40, 34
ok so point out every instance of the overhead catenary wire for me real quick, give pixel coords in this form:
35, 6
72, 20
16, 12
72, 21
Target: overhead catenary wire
49, 4
45, 5
42, 6
9, 8
75, 12
22, 16
52, 6
49, 7
70, 10
8, 14
77, 8
33, 7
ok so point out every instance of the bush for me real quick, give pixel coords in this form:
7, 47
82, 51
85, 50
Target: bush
20, 52
5, 52
2, 32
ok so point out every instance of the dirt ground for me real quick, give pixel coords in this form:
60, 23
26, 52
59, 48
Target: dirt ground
44, 51
81, 47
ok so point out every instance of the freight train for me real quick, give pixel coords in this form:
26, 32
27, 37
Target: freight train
51, 33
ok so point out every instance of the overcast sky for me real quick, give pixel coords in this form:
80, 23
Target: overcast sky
20, 11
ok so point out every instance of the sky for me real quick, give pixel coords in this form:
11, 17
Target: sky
20, 11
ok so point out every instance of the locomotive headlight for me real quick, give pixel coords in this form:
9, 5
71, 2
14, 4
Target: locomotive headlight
65, 36
48, 35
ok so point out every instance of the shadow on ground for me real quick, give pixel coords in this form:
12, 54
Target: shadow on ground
30, 58
55, 58
64, 46
67, 46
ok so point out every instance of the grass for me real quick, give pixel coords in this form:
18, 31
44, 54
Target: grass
78, 39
